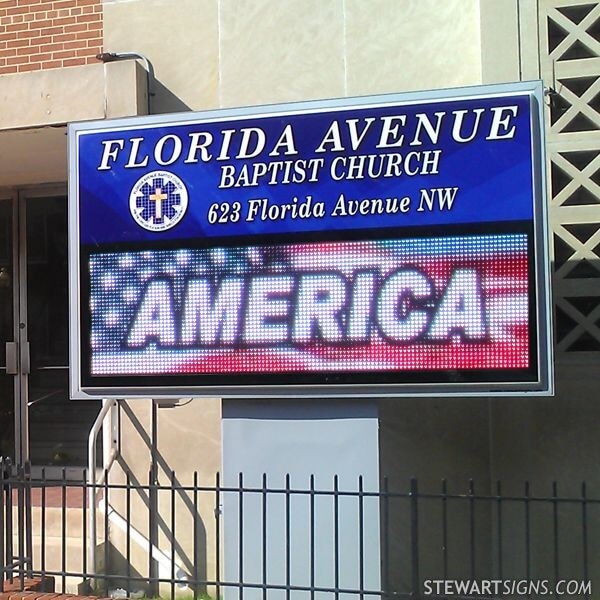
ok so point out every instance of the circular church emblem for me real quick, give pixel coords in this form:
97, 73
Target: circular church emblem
158, 201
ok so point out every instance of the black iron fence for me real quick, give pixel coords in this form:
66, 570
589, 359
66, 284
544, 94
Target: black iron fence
274, 539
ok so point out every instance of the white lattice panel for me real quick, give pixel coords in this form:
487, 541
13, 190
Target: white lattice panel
570, 65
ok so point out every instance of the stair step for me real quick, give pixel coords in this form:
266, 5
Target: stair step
53, 551
53, 523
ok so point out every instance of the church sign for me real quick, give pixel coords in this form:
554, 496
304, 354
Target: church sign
386, 245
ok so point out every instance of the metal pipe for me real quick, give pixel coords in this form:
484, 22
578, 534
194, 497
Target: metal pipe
113, 56
107, 405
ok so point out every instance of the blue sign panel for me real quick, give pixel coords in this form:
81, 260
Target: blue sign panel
318, 247
383, 166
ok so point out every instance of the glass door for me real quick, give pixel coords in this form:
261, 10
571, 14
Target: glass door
57, 428
38, 421
8, 355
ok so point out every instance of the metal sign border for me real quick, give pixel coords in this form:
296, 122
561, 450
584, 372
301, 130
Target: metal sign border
543, 317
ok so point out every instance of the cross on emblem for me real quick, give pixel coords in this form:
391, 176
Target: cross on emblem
158, 201
157, 197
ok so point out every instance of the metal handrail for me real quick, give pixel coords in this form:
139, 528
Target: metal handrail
45, 397
93, 482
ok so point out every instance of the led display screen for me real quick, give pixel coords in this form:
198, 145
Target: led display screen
392, 247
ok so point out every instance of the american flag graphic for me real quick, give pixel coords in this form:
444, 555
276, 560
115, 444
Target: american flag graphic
120, 309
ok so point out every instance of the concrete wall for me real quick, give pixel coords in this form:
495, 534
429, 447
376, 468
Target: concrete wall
183, 49
551, 439
230, 53
35, 107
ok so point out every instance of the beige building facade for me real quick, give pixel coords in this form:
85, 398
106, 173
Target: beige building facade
208, 54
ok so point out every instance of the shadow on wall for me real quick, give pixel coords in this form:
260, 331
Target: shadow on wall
163, 100
472, 534
164, 513
534, 510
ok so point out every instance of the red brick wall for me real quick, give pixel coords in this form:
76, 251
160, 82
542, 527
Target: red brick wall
46, 34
